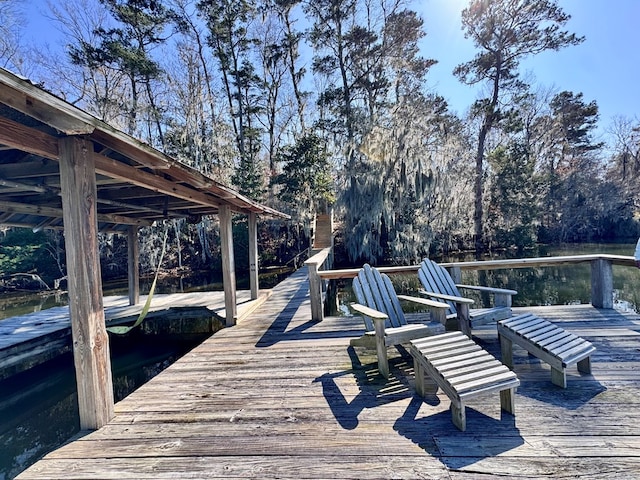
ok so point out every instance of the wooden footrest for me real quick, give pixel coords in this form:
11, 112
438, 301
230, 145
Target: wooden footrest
462, 370
548, 342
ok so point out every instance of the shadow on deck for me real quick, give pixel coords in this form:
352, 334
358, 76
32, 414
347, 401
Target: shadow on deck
278, 396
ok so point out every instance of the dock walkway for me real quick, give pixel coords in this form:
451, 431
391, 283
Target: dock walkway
280, 396
34, 338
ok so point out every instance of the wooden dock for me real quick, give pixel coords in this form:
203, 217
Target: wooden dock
31, 339
280, 396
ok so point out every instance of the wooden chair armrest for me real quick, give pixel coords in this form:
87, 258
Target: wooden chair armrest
449, 298
379, 320
423, 301
503, 291
369, 312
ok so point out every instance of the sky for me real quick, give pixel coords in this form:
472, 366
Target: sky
604, 68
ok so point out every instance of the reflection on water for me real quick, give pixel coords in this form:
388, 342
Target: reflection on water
21, 304
39, 408
15, 304
558, 285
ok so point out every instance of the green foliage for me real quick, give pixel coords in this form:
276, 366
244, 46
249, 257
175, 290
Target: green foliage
513, 205
126, 48
305, 182
505, 32
232, 40
575, 121
248, 177
22, 251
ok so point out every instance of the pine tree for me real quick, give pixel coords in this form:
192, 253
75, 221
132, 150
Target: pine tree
505, 32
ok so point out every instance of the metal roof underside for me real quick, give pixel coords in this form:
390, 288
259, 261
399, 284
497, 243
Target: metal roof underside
136, 184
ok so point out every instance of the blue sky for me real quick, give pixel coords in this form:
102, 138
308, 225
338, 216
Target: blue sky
605, 67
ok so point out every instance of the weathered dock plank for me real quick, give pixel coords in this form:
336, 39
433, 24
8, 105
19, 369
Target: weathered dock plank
279, 396
31, 339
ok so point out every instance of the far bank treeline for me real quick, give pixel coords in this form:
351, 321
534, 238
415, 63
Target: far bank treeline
306, 105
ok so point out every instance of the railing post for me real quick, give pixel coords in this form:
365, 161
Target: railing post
315, 293
601, 283
456, 274
253, 256
316, 284
228, 265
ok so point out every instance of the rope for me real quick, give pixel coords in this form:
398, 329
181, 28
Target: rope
121, 330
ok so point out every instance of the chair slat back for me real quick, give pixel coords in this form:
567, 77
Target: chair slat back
435, 278
375, 290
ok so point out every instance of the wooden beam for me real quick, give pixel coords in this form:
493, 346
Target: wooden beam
132, 265
114, 169
55, 190
129, 147
33, 141
26, 139
90, 340
228, 266
15, 207
253, 256
35, 102
30, 166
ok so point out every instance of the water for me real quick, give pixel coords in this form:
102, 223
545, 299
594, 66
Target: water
39, 408
15, 304
559, 285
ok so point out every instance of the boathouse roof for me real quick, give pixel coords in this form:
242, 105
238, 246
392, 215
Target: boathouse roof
136, 184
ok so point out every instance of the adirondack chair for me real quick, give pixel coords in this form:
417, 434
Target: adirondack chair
383, 317
439, 285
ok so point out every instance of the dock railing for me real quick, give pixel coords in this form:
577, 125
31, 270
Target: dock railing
601, 273
316, 265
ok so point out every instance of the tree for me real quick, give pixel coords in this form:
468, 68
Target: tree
573, 179
305, 182
232, 41
505, 31
575, 122
624, 167
11, 20
366, 54
513, 206
141, 26
290, 43
96, 88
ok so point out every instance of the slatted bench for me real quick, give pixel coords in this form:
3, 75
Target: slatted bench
462, 370
546, 341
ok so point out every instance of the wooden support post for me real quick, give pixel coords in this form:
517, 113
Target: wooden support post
90, 340
314, 264
132, 265
253, 255
228, 266
601, 283
315, 292
456, 274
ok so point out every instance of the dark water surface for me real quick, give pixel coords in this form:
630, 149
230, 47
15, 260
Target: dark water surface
559, 285
39, 408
